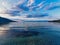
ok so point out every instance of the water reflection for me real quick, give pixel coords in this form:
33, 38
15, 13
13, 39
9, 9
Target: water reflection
16, 29
30, 33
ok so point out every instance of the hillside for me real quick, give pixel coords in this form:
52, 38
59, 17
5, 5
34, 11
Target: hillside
4, 20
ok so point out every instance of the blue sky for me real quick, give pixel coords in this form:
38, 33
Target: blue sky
30, 7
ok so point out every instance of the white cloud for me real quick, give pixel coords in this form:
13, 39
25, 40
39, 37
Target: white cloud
52, 4
6, 5
41, 4
30, 2
21, 2
5, 15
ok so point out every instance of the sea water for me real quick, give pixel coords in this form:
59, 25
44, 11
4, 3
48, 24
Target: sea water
30, 33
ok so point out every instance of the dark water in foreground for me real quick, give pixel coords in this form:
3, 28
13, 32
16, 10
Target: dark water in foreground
30, 33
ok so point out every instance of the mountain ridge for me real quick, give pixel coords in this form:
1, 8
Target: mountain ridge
5, 20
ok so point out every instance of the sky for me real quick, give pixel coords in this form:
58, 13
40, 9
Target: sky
30, 8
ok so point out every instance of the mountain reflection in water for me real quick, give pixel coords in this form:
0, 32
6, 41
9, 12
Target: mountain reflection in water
30, 33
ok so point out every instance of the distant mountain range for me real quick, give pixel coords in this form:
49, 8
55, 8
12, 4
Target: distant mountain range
4, 20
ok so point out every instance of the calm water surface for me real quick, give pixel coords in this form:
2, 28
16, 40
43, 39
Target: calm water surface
30, 33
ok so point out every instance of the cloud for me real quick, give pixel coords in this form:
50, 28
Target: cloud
41, 4
30, 2
21, 2
30, 8
38, 6
55, 13
37, 15
52, 6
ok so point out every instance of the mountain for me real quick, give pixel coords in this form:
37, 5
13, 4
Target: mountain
55, 21
4, 20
